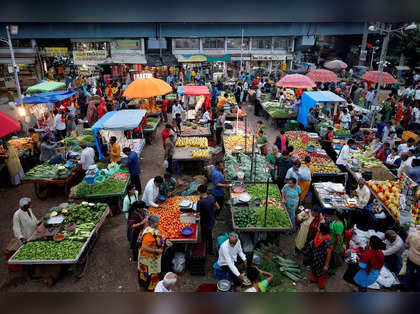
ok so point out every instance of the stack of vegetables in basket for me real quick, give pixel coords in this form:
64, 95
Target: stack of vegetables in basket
242, 162
109, 181
46, 171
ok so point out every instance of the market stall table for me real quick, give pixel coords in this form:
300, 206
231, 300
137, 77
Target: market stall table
194, 130
151, 128
332, 196
78, 262
41, 186
248, 208
278, 112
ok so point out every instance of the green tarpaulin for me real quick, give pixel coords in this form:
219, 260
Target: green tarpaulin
226, 58
45, 87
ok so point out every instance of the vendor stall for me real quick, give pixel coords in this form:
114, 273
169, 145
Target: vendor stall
68, 235
278, 112
332, 197
46, 175
105, 185
178, 222
115, 123
202, 102
246, 168
151, 127
258, 208
46, 86
191, 129
311, 99
191, 149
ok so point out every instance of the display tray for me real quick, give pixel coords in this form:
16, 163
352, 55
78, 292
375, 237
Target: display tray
66, 261
155, 126
182, 154
100, 196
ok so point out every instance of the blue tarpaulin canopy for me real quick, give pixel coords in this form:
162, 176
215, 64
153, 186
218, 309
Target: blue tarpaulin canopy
310, 99
50, 97
118, 120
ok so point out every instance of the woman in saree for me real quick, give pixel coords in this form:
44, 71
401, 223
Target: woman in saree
150, 254
13, 163
137, 220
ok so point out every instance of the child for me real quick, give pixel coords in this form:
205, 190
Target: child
260, 127
178, 121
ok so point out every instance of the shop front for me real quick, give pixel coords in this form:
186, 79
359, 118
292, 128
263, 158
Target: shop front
264, 65
88, 54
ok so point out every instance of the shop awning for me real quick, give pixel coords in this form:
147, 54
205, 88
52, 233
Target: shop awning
191, 58
153, 60
310, 99
195, 90
47, 86
120, 120
169, 59
225, 58
51, 97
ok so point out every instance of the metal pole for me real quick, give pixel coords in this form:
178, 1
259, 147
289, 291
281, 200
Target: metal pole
381, 71
266, 203
246, 133
252, 164
12, 55
160, 40
242, 46
371, 59
364, 41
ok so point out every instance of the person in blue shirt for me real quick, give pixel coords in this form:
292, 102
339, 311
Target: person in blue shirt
214, 93
381, 126
218, 184
133, 165
248, 77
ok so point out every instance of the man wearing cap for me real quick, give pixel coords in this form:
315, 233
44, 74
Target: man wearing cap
24, 221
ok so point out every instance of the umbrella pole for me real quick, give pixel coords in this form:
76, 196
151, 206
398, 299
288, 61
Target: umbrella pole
266, 203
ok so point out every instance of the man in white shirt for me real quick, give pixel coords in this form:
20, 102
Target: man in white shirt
345, 119
405, 164
362, 193
394, 250
59, 125
151, 191
24, 221
167, 284
416, 117
344, 154
369, 97
87, 157
228, 258
177, 108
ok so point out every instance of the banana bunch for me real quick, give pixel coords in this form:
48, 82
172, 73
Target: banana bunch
201, 142
200, 153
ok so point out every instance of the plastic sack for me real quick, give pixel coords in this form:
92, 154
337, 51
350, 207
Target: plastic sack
165, 164
99, 179
178, 262
104, 173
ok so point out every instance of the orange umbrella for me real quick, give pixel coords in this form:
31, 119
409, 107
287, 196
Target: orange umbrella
146, 88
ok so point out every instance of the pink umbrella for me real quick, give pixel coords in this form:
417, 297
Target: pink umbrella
335, 65
373, 76
296, 81
322, 75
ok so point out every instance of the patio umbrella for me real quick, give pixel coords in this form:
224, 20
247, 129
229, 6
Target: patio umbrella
322, 75
335, 65
296, 81
373, 76
147, 87
8, 124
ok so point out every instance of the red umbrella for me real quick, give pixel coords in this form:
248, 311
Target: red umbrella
296, 81
8, 124
373, 76
335, 65
322, 75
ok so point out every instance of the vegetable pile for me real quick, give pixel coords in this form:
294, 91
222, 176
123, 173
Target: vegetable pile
83, 213
201, 142
169, 216
243, 163
276, 217
46, 171
237, 140
193, 129
49, 250
258, 191
21, 144
245, 217
151, 123
112, 185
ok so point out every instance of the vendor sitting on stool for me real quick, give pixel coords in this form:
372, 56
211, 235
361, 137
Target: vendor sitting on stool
228, 259
168, 186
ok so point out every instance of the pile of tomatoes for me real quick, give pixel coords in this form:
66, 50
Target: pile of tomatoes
169, 216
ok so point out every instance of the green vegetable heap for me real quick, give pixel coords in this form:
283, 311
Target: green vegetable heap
243, 162
109, 186
275, 217
46, 171
258, 191
49, 250
245, 217
84, 213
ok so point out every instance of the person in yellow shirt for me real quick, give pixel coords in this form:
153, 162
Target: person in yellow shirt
114, 150
222, 102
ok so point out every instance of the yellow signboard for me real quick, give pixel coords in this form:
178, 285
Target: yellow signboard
192, 58
89, 56
56, 51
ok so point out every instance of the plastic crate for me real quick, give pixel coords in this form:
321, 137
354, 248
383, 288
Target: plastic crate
292, 125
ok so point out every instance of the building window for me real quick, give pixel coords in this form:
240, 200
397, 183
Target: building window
280, 43
261, 43
85, 46
213, 43
235, 43
187, 43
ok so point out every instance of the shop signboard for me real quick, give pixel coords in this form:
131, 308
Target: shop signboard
268, 57
56, 51
192, 58
89, 57
127, 44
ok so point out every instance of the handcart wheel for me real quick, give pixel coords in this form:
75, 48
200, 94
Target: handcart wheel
41, 190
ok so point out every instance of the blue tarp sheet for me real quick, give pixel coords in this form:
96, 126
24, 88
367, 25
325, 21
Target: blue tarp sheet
50, 97
310, 99
118, 120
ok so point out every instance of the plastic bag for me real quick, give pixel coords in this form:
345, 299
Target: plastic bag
165, 164
178, 262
